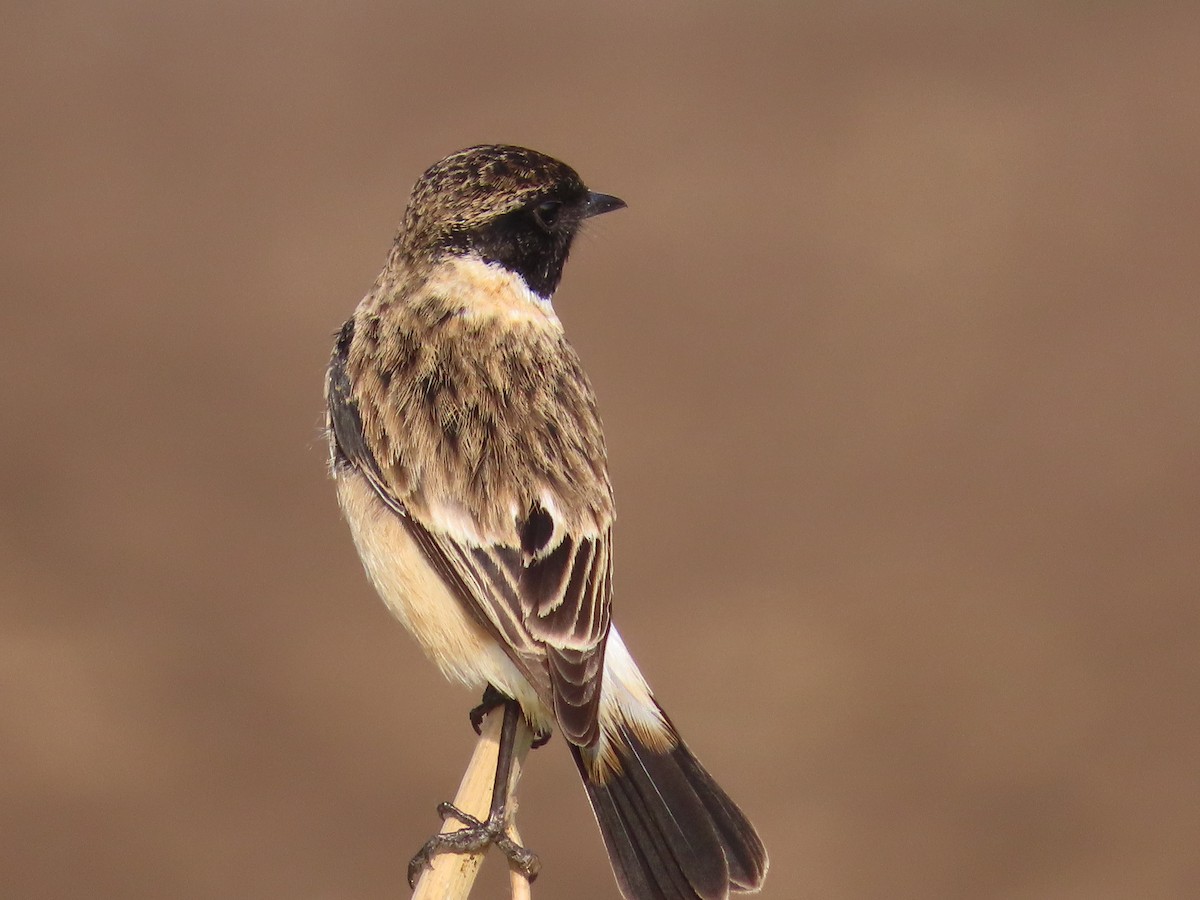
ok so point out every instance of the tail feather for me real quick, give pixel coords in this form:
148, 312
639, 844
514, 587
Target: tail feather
672, 833
744, 850
641, 856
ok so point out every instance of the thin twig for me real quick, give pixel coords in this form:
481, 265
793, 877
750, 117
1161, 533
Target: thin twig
520, 884
451, 875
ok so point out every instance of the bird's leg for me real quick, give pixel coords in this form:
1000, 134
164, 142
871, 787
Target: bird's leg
477, 835
492, 698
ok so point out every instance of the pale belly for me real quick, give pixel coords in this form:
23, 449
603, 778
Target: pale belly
460, 646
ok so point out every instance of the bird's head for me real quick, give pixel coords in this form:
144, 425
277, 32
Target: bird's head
507, 205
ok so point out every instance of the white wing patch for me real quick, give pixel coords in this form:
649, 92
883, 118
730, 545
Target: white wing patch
456, 522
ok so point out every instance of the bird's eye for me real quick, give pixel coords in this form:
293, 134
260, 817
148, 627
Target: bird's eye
546, 214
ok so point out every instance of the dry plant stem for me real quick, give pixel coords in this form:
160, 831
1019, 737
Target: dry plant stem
516, 878
451, 875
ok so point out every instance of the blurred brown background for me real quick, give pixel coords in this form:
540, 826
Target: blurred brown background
897, 351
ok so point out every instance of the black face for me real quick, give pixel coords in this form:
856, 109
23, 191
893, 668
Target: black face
534, 240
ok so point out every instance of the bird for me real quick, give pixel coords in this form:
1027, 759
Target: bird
470, 465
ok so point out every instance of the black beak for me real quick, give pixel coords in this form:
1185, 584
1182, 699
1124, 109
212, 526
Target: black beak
601, 203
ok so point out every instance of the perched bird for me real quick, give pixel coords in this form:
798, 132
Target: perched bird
470, 465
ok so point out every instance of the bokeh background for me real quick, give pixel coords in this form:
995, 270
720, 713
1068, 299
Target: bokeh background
896, 346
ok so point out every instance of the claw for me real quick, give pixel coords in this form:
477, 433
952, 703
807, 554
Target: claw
492, 699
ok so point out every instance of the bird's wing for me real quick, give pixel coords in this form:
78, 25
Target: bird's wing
551, 615
541, 590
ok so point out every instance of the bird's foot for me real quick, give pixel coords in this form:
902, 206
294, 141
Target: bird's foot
492, 699
476, 836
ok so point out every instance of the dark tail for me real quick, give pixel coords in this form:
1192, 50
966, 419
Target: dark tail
671, 832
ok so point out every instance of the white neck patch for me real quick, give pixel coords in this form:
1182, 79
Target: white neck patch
486, 290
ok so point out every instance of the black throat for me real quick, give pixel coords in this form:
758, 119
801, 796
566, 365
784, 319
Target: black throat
521, 245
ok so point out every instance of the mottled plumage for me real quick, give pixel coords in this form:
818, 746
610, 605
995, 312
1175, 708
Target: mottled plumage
471, 467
